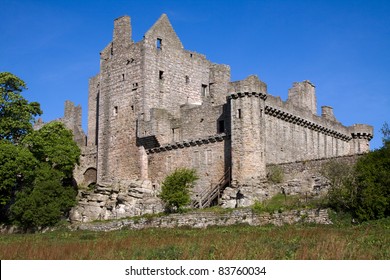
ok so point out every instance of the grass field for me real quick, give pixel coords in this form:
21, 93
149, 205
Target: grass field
302, 242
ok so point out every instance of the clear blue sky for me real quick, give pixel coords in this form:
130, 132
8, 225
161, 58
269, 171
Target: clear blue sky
343, 47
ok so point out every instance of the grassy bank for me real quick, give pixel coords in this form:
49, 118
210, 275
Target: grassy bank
339, 241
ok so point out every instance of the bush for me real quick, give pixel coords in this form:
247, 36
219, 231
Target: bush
43, 203
341, 195
362, 190
275, 174
175, 191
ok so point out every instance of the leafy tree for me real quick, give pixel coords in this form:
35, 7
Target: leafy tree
373, 184
16, 113
175, 191
386, 133
341, 195
54, 144
45, 201
17, 167
364, 189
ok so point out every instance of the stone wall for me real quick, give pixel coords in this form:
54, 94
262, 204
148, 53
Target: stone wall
206, 219
206, 156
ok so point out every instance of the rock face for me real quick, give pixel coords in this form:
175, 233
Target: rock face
124, 199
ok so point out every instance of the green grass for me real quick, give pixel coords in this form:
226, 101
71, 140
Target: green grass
341, 240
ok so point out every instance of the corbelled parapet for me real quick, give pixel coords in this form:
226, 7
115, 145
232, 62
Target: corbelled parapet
361, 136
361, 131
249, 94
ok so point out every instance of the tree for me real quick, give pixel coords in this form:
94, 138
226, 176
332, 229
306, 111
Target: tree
54, 144
386, 133
16, 113
51, 195
364, 189
175, 191
45, 201
17, 167
341, 195
373, 184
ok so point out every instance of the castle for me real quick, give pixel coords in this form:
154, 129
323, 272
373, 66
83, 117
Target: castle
155, 107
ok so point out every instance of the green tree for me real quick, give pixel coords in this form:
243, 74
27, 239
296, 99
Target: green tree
364, 189
341, 195
45, 201
373, 184
17, 167
175, 190
54, 144
16, 113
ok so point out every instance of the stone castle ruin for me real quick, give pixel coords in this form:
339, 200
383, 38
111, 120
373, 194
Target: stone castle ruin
155, 107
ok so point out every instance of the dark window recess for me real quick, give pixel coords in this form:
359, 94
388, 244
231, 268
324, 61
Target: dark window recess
159, 44
123, 77
221, 126
131, 60
161, 75
135, 85
115, 110
187, 80
239, 113
132, 107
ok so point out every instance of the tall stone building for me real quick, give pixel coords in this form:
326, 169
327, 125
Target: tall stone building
155, 107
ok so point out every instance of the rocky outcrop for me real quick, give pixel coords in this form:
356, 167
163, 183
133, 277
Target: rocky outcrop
124, 199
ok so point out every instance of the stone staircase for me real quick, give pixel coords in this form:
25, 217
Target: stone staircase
207, 196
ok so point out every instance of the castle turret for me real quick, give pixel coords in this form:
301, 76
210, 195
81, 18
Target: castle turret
361, 136
247, 137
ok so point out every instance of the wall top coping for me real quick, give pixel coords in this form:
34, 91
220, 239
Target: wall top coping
188, 143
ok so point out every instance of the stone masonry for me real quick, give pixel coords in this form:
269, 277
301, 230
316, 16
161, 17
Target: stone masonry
155, 107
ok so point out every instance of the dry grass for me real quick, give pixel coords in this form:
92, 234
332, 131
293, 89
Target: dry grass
303, 242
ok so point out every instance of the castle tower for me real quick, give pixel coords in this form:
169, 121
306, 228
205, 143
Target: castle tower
247, 137
361, 136
113, 109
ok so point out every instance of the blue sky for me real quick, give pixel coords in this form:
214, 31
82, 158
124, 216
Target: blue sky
343, 47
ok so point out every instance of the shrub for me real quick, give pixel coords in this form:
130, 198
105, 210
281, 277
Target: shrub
175, 191
275, 174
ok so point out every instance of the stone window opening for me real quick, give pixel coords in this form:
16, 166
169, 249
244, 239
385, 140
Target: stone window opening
123, 77
132, 108
159, 43
221, 126
187, 79
239, 114
115, 112
204, 90
161, 75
